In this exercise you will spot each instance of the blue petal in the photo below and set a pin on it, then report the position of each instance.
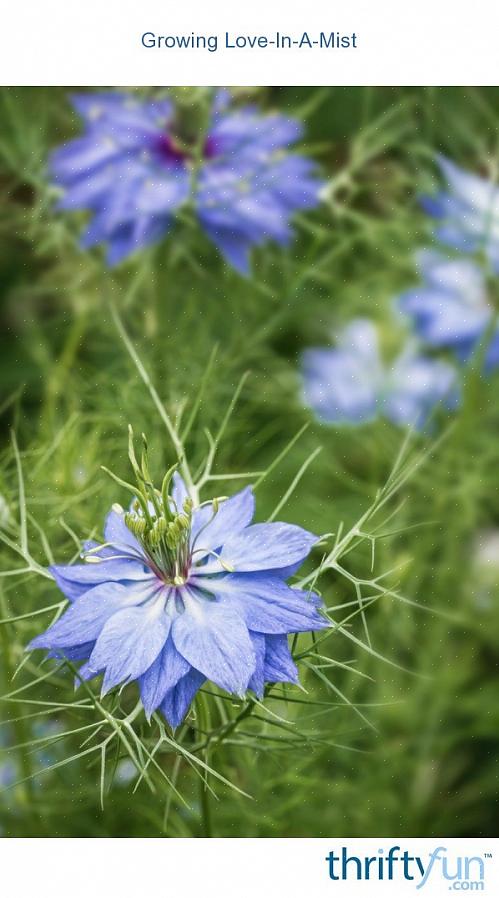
(468, 211)
(262, 547)
(161, 195)
(338, 387)
(82, 156)
(179, 492)
(130, 642)
(210, 529)
(234, 248)
(279, 666)
(246, 131)
(286, 572)
(85, 618)
(468, 188)
(257, 682)
(416, 386)
(214, 639)
(76, 579)
(92, 106)
(177, 700)
(342, 384)
(268, 605)
(86, 672)
(117, 533)
(451, 307)
(163, 674)
(74, 653)
(492, 355)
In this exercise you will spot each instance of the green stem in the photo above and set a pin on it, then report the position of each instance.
(172, 431)
(235, 723)
(62, 367)
(204, 797)
(203, 714)
(21, 735)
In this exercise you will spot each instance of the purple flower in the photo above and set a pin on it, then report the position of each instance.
(134, 173)
(468, 211)
(350, 384)
(179, 594)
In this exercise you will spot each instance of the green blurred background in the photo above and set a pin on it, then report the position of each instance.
(427, 763)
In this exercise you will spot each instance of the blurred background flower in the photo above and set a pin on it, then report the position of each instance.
(468, 211)
(138, 164)
(451, 307)
(352, 384)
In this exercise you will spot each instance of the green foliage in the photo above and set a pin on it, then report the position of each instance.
(395, 730)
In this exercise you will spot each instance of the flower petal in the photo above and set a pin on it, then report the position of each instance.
(177, 700)
(257, 682)
(416, 385)
(235, 248)
(214, 639)
(117, 533)
(210, 529)
(76, 579)
(130, 642)
(179, 491)
(339, 385)
(279, 666)
(74, 652)
(268, 605)
(163, 674)
(262, 547)
(85, 618)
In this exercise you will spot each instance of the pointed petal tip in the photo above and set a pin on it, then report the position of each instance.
(37, 643)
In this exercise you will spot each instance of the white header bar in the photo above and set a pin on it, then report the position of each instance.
(218, 42)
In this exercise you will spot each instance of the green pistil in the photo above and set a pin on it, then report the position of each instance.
(165, 538)
(162, 529)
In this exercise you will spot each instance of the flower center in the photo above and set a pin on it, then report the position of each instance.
(164, 533)
(162, 529)
(160, 526)
(173, 151)
(170, 150)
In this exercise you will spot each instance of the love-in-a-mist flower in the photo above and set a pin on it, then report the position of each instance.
(180, 593)
(351, 383)
(468, 211)
(451, 307)
(134, 169)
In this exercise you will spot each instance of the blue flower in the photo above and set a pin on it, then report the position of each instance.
(179, 594)
(249, 185)
(451, 308)
(125, 169)
(132, 171)
(469, 212)
(350, 384)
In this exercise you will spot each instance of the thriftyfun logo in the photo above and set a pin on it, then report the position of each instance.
(460, 873)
